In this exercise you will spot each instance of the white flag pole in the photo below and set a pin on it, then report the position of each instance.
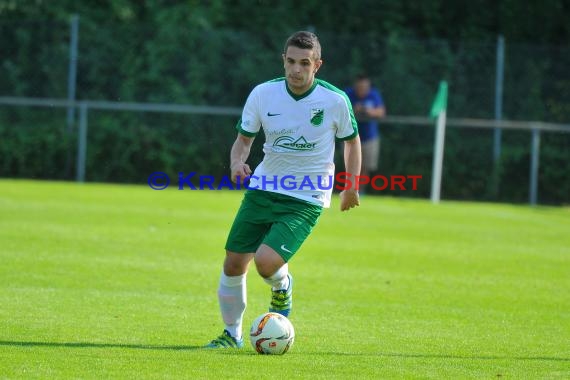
(438, 157)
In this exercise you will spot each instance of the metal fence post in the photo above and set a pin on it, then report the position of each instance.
(82, 142)
(72, 73)
(497, 133)
(534, 162)
(499, 78)
(71, 88)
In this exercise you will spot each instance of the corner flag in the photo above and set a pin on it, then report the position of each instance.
(439, 110)
(440, 101)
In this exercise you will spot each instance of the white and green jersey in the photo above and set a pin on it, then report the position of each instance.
(300, 132)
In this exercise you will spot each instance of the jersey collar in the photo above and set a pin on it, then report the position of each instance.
(303, 95)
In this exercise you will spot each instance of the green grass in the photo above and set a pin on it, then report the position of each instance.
(108, 281)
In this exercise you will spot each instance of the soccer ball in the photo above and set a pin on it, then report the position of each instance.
(272, 334)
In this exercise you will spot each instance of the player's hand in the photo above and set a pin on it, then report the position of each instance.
(349, 199)
(240, 170)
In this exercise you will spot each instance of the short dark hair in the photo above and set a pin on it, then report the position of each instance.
(304, 40)
(361, 76)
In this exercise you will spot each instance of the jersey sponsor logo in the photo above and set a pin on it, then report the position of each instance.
(289, 142)
(317, 116)
(285, 249)
(272, 114)
(282, 131)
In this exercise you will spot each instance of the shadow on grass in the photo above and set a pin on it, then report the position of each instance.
(190, 348)
(99, 345)
(443, 356)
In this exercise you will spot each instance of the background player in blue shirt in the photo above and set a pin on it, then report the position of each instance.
(367, 103)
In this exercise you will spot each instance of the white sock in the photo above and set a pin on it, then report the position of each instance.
(279, 279)
(232, 295)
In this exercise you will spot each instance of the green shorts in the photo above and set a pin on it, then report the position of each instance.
(280, 221)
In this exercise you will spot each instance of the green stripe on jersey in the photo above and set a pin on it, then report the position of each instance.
(243, 131)
(332, 88)
(349, 137)
(304, 94)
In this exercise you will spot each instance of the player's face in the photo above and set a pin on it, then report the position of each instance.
(362, 88)
(300, 68)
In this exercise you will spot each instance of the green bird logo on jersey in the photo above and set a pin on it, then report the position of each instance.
(317, 115)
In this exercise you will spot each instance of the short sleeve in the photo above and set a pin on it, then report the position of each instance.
(250, 122)
(347, 127)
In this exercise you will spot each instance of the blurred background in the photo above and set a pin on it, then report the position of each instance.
(506, 60)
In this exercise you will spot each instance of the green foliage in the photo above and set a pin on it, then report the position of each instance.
(213, 54)
(30, 147)
(127, 150)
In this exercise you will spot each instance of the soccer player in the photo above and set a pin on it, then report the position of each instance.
(301, 116)
(367, 104)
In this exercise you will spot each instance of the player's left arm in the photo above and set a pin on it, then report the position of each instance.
(348, 132)
(378, 110)
(352, 162)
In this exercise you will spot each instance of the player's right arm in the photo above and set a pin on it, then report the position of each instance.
(248, 126)
(238, 157)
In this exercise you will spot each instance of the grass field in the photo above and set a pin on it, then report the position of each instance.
(108, 281)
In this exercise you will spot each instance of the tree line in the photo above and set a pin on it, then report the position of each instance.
(213, 53)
